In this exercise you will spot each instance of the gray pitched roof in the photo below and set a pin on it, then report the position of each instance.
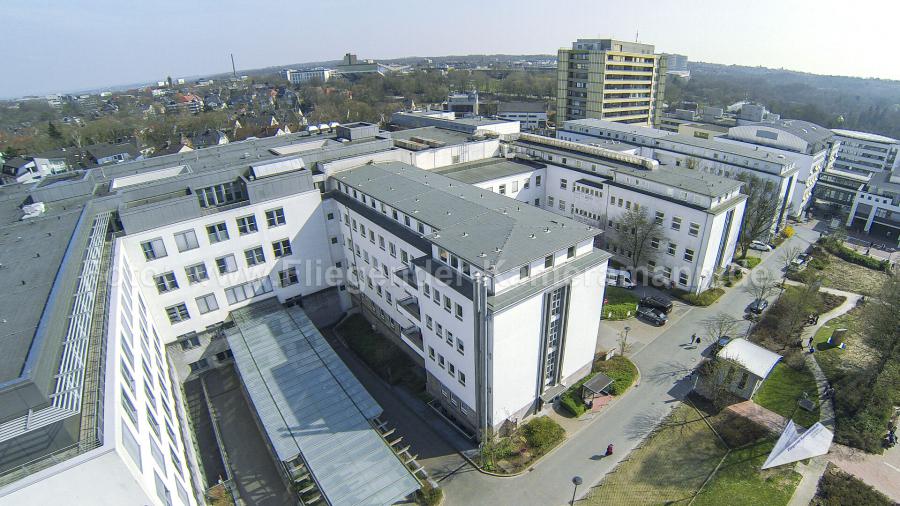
(485, 229)
(806, 130)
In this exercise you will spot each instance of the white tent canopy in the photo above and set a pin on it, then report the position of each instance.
(793, 445)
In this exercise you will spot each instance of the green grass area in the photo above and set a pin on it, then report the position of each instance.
(517, 451)
(749, 262)
(741, 481)
(705, 298)
(669, 468)
(619, 303)
(675, 461)
(784, 387)
(619, 369)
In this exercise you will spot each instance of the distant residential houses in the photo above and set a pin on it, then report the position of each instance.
(28, 169)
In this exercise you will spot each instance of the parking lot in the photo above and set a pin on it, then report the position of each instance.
(641, 332)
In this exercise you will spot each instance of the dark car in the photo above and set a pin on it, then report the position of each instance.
(758, 306)
(656, 303)
(654, 316)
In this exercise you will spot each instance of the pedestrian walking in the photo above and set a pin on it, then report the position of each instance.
(609, 450)
(696, 339)
(693, 338)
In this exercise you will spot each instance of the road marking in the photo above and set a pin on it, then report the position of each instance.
(892, 467)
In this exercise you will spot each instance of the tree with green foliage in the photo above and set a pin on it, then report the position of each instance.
(54, 132)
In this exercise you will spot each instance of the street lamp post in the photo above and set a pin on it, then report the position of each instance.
(576, 481)
(700, 285)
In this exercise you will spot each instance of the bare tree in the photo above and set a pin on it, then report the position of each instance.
(762, 284)
(634, 234)
(761, 210)
(624, 345)
(788, 255)
(720, 325)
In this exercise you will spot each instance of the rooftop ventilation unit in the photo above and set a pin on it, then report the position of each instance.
(275, 168)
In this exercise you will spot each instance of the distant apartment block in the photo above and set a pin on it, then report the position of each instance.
(677, 65)
(463, 104)
(865, 153)
(532, 116)
(306, 75)
(611, 80)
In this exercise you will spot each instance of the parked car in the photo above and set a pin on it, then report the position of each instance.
(760, 246)
(718, 345)
(800, 261)
(653, 315)
(657, 303)
(758, 306)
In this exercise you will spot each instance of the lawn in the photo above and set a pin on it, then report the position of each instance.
(740, 481)
(855, 356)
(619, 303)
(783, 388)
(669, 468)
(843, 275)
(676, 460)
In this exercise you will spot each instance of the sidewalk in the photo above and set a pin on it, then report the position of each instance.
(879, 471)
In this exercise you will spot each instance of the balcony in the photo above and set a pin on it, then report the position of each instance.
(413, 334)
(409, 275)
(410, 305)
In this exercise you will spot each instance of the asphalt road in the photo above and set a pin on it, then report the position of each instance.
(664, 365)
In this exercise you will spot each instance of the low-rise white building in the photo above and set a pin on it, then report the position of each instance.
(865, 153)
(532, 116)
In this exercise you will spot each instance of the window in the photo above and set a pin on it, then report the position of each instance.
(190, 343)
(436, 296)
(460, 347)
(330, 216)
(571, 252)
(563, 184)
(186, 240)
(334, 240)
(683, 278)
(282, 248)
(196, 273)
(676, 223)
(459, 311)
(441, 360)
(178, 313)
(654, 242)
(667, 272)
(524, 271)
(550, 201)
(404, 257)
(221, 194)
(166, 282)
(199, 365)
(537, 180)
(426, 289)
(217, 232)
(406, 221)
(562, 205)
(254, 256)
(226, 264)
(439, 330)
(694, 229)
(502, 189)
(392, 250)
(275, 217)
(689, 255)
(449, 336)
(247, 224)
(462, 378)
(548, 261)
(447, 304)
(381, 242)
(451, 368)
(207, 303)
(537, 202)
(431, 353)
(526, 184)
(288, 277)
(671, 249)
(154, 248)
(429, 323)
(248, 290)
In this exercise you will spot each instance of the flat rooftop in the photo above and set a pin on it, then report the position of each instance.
(31, 254)
(865, 136)
(310, 404)
(491, 231)
(448, 137)
(487, 170)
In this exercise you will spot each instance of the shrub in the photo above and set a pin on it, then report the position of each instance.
(572, 402)
(787, 232)
(428, 495)
(837, 248)
(818, 263)
(542, 434)
(704, 299)
(837, 488)
(620, 370)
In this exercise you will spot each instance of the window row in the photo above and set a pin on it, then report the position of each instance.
(445, 335)
(234, 294)
(446, 364)
(186, 240)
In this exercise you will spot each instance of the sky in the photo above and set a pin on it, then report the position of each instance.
(64, 46)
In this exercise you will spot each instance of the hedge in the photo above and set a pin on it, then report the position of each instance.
(572, 402)
(705, 298)
(837, 488)
(542, 434)
(620, 370)
(837, 249)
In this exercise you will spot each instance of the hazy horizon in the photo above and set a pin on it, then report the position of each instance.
(102, 44)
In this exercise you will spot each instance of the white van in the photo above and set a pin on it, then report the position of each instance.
(615, 277)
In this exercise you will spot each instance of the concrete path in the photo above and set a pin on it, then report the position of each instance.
(879, 471)
(808, 485)
(665, 364)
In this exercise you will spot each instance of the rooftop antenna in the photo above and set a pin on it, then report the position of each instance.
(636, 33)
(233, 71)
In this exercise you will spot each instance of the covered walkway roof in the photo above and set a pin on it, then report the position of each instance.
(311, 405)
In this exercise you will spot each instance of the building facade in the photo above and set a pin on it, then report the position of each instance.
(865, 153)
(612, 80)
